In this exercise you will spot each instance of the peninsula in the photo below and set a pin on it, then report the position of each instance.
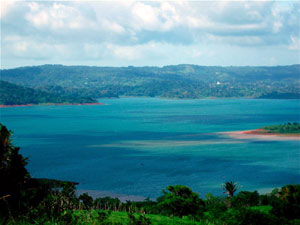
(288, 131)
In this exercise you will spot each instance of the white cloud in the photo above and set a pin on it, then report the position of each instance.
(113, 26)
(145, 13)
(125, 52)
(57, 16)
(6, 6)
(295, 43)
(20, 47)
(136, 31)
(277, 26)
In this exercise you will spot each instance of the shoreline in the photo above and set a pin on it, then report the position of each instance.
(49, 104)
(262, 135)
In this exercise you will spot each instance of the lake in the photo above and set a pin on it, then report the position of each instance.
(139, 146)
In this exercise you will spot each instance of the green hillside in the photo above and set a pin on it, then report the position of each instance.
(11, 94)
(178, 81)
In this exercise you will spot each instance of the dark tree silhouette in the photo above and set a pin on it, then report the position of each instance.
(13, 174)
(180, 200)
(230, 188)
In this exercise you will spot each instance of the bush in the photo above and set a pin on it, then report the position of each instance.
(86, 200)
(215, 206)
(180, 201)
(140, 220)
(245, 199)
(250, 217)
(287, 203)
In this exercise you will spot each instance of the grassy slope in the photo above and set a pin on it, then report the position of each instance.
(122, 218)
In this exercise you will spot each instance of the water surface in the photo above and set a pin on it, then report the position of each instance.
(138, 146)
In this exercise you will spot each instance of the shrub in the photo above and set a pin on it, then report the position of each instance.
(140, 220)
(180, 200)
(245, 199)
(250, 217)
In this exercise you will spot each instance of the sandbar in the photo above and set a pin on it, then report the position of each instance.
(261, 135)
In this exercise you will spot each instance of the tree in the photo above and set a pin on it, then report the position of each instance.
(230, 188)
(13, 174)
(288, 203)
(244, 216)
(87, 200)
(245, 199)
(180, 200)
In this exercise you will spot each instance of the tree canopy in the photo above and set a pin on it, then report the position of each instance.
(180, 200)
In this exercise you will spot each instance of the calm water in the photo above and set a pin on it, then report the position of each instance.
(138, 146)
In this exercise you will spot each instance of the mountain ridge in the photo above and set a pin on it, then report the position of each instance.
(171, 81)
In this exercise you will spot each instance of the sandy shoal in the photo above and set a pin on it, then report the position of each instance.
(259, 134)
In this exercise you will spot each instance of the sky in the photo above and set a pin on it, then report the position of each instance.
(150, 33)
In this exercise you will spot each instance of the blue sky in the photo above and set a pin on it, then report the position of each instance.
(149, 33)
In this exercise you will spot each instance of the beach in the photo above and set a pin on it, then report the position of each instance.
(261, 135)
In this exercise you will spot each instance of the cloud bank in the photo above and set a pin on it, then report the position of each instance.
(111, 33)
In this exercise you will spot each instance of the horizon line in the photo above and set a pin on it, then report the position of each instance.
(133, 66)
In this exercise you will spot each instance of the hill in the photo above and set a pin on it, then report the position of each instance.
(11, 94)
(178, 81)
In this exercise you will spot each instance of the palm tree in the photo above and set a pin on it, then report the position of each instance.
(230, 187)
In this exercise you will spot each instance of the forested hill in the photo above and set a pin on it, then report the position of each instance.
(178, 81)
(11, 94)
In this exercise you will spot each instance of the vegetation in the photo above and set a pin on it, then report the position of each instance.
(230, 188)
(180, 201)
(25, 200)
(288, 128)
(11, 94)
(181, 81)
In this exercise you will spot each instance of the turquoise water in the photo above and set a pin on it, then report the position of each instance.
(138, 146)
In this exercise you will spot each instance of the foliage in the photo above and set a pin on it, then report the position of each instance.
(141, 220)
(87, 200)
(250, 217)
(13, 174)
(215, 207)
(262, 208)
(179, 81)
(82, 217)
(284, 128)
(11, 94)
(245, 199)
(230, 188)
(180, 200)
(288, 202)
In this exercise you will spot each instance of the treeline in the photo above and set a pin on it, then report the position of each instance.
(181, 81)
(276, 95)
(288, 128)
(11, 94)
(25, 200)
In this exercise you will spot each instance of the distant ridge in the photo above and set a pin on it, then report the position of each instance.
(172, 81)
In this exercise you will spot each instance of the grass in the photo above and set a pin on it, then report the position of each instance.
(82, 217)
(122, 218)
(264, 208)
